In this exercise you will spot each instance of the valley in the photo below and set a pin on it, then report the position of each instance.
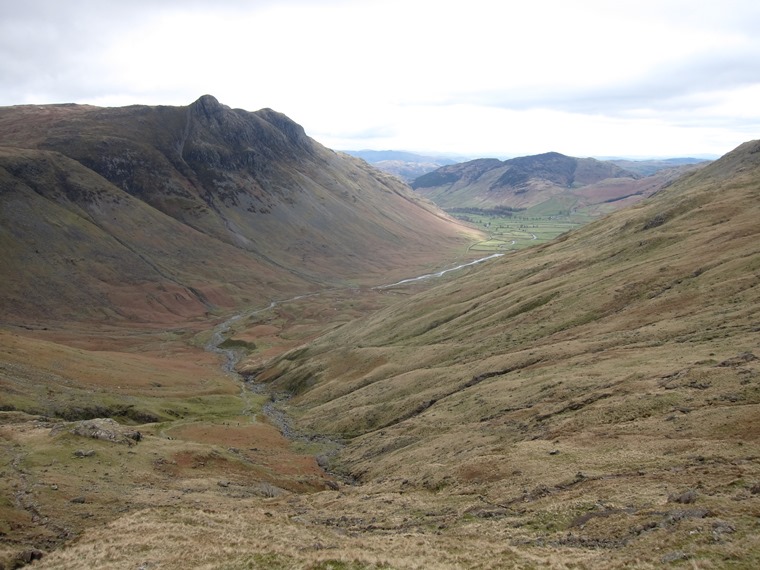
(517, 230)
(214, 439)
(230, 358)
(531, 200)
(548, 185)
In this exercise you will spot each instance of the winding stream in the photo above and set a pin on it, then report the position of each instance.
(440, 273)
(232, 356)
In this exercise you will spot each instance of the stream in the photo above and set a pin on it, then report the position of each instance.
(232, 356)
(440, 273)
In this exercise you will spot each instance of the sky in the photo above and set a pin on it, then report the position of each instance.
(472, 78)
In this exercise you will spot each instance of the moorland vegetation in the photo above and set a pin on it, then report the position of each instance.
(587, 402)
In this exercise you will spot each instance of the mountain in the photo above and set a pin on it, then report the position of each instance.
(594, 399)
(375, 156)
(405, 165)
(165, 213)
(648, 167)
(528, 181)
(591, 402)
(126, 236)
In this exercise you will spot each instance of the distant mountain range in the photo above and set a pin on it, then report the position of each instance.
(405, 165)
(410, 166)
(524, 182)
(651, 166)
(167, 212)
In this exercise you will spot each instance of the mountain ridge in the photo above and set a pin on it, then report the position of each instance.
(583, 184)
(264, 198)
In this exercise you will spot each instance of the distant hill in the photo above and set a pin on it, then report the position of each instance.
(517, 182)
(405, 165)
(584, 184)
(652, 166)
(168, 212)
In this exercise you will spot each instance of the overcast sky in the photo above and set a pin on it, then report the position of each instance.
(472, 77)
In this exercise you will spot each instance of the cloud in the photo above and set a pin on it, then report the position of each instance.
(412, 73)
(690, 83)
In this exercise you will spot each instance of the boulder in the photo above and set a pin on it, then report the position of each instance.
(107, 430)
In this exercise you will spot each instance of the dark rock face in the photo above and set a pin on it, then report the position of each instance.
(208, 106)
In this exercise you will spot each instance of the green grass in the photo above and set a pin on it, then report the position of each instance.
(513, 232)
(236, 343)
(210, 407)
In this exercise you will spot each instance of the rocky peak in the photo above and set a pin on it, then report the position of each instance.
(214, 122)
(293, 131)
(208, 106)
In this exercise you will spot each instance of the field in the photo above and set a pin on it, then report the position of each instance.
(513, 230)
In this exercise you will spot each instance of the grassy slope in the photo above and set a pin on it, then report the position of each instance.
(587, 403)
(584, 404)
(596, 376)
(74, 246)
(164, 213)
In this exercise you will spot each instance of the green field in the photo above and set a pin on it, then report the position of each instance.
(517, 230)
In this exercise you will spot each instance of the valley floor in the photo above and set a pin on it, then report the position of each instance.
(221, 488)
(212, 482)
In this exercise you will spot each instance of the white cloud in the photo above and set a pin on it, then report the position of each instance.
(582, 77)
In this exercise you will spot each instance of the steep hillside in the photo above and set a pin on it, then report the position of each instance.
(585, 184)
(164, 213)
(594, 399)
(126, 235)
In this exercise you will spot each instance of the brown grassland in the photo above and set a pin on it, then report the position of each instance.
(588, 403)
